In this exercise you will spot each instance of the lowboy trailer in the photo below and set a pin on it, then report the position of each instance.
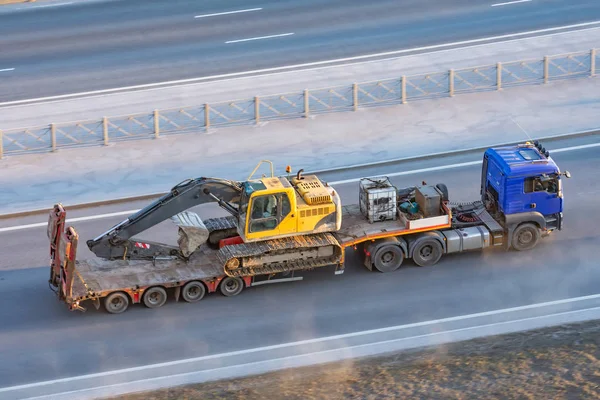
(281, 225)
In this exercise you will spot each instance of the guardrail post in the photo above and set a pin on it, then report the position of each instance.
(206, 116)
(451, 82)
(593, 62)
(306, 109)
(105, 130)
(546, 68)
(355, 96)
(1, 144)
(156, 124)
(499, 76)
(403, 84)
(53, 136)
(257, 109)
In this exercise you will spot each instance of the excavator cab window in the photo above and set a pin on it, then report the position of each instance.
(268, 211)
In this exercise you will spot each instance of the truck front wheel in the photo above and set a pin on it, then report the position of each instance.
(525, 237)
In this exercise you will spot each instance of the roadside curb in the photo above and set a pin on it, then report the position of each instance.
(150, 196)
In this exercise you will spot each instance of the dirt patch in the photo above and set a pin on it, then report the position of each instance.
(555, 363)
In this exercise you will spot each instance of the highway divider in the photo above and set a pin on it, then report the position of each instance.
(153, 196)
(400, 90)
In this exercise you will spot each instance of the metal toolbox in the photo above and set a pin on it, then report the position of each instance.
(429, 200)
(377, 199)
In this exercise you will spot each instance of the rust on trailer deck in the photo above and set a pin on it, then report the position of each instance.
(102, 275)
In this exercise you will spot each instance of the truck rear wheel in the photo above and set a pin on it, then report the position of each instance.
(116, 303)
(155, 297)
(231, 286)
(193, 291)
(427, 253)
(525, 237)
(388, 258)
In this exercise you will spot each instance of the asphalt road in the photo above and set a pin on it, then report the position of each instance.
(105, 44)
(40, 339)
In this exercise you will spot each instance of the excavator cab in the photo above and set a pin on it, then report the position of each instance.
(274, 207)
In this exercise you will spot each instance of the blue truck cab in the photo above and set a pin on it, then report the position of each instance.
(521, 184)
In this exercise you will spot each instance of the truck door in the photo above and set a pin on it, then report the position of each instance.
(542, 194)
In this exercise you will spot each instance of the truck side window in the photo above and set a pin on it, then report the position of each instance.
(538, 184)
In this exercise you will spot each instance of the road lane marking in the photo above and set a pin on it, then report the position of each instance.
(341, 182)
(434, 322)
(7, 69)
(259, 38)
(510, 2)
(318, 65)
(78, 219)
(415, 171)
(228, 12)
(52, 5)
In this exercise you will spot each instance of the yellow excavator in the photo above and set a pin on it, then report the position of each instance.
(277, 224)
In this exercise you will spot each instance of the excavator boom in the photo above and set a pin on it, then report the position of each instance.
(115, 243)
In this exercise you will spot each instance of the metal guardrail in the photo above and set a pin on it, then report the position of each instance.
(300, 104)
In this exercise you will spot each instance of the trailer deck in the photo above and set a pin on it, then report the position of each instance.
(357, 229)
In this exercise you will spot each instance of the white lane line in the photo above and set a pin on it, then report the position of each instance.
(228, 12)
(52, 5)
(323, 339)
(415, 171)
(510, 2)
(318, 64)
(78, 219)
(259, 38)
(7, 69)
(342, 182)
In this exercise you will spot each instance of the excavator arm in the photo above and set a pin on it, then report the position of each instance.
(116, 244)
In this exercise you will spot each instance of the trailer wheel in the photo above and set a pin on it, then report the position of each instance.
(116, 303)
(525, 237)
(427, 253)
(388, 258)
(231, 286)
(155, 297)
(193, 291)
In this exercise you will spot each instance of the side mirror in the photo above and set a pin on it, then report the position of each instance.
(567, 174)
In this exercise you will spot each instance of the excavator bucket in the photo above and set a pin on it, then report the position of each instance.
(192, 232)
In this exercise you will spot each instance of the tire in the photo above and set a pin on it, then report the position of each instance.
(525, 237)
(155, 297)
(427, 253)
(116, 303)
(444, 189)
(388, 258)
(193, 291)
(231, 286)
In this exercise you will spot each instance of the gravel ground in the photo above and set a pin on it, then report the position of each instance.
(555, 363)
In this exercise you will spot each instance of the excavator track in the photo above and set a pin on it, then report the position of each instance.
(220, 228)
(280, 255)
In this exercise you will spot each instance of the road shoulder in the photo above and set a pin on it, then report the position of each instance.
(559, 363)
